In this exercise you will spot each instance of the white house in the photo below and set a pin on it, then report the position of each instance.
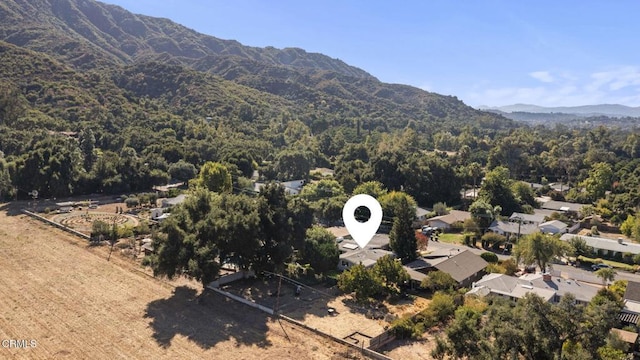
(554, 227)
(608, 246)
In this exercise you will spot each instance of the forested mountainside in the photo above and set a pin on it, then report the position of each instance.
(94, 99)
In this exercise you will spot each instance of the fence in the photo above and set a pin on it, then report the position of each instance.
(59, 226)
(231, 278)
(242, 300)
(366, 351)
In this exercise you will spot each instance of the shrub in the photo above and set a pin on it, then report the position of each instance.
(494, 268)
(489, 257)
(492, 239)
(594, 230)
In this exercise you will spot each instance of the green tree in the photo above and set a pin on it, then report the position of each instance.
(438, 280)
(391, 273)
(182, 171)
(320, 250)
(599, 181)
(373, 188)
(292, 165)
(579, 247)
(538, 248)
(606, 274)
(496, 190)
(214, 177)
(361, 281)
(483, 214)
(402, 238)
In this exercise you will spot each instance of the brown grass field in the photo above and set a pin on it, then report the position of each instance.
(74, 304)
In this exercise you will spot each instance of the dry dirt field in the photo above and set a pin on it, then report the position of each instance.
(75, 304)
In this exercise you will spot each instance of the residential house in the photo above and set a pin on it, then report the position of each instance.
(463, 266)
(554, 227)
(290, 187)
(378, 241)
(366, 257)
(169, 202)
(445, 222)
(562, 206)
(512, 229)
(606, 247)
(550, 287)
(507, 286)
(630, 313)
(421, 216)
(535, 218)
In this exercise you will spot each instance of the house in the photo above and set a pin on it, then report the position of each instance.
(562, 206)
(629, 337)
(535, 218)
(463, 266)
(366, 257)
(549, 286)
(630, 313)
(507, 286)
(290, 187)
(445, 222)
(606, 247)
(169, 202)
(156, 213)
(583, 293)
(554, 227)
(421, 216)
(512, 229)
(378, 241)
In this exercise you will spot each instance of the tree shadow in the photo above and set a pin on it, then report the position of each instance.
(206, 319)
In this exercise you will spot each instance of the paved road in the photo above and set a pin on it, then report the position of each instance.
(572, 272)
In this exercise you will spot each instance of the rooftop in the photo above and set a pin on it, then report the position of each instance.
(562, 206)
(633, 291)
(605, 244)
(582, 292)
(461, 265)
(452, 217)
(366, 257)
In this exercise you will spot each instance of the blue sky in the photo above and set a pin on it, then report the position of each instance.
(548, 53)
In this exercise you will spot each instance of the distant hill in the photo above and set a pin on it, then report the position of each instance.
(611, 110)
(133, 57)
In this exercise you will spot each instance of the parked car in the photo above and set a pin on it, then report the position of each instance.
(595, 267)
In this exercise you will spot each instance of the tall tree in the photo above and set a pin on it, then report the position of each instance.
(599, 181)
(391, 273)
(320, 250)
(496, 190)
(214, 177)
(539, 248)
(402, 238)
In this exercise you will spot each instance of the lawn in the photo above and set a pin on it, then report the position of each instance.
(450, 238)
(615, 264)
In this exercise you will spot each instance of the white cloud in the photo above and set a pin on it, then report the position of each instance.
(619, 85)
(543, 76)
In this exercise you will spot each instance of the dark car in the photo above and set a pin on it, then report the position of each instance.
(595, 267)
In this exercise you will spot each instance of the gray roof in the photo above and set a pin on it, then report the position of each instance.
(532, 218)
(174, 200)
(605, 244)
(633, 291)
(452, 217)
(555, 223)
(462, 265)
(582, 292)
(378, 241)
(562, 206)
(421, 211)
(513, 227)
(510, 286)
(366, 257)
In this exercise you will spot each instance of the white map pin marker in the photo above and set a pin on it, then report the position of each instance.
(362, 232)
